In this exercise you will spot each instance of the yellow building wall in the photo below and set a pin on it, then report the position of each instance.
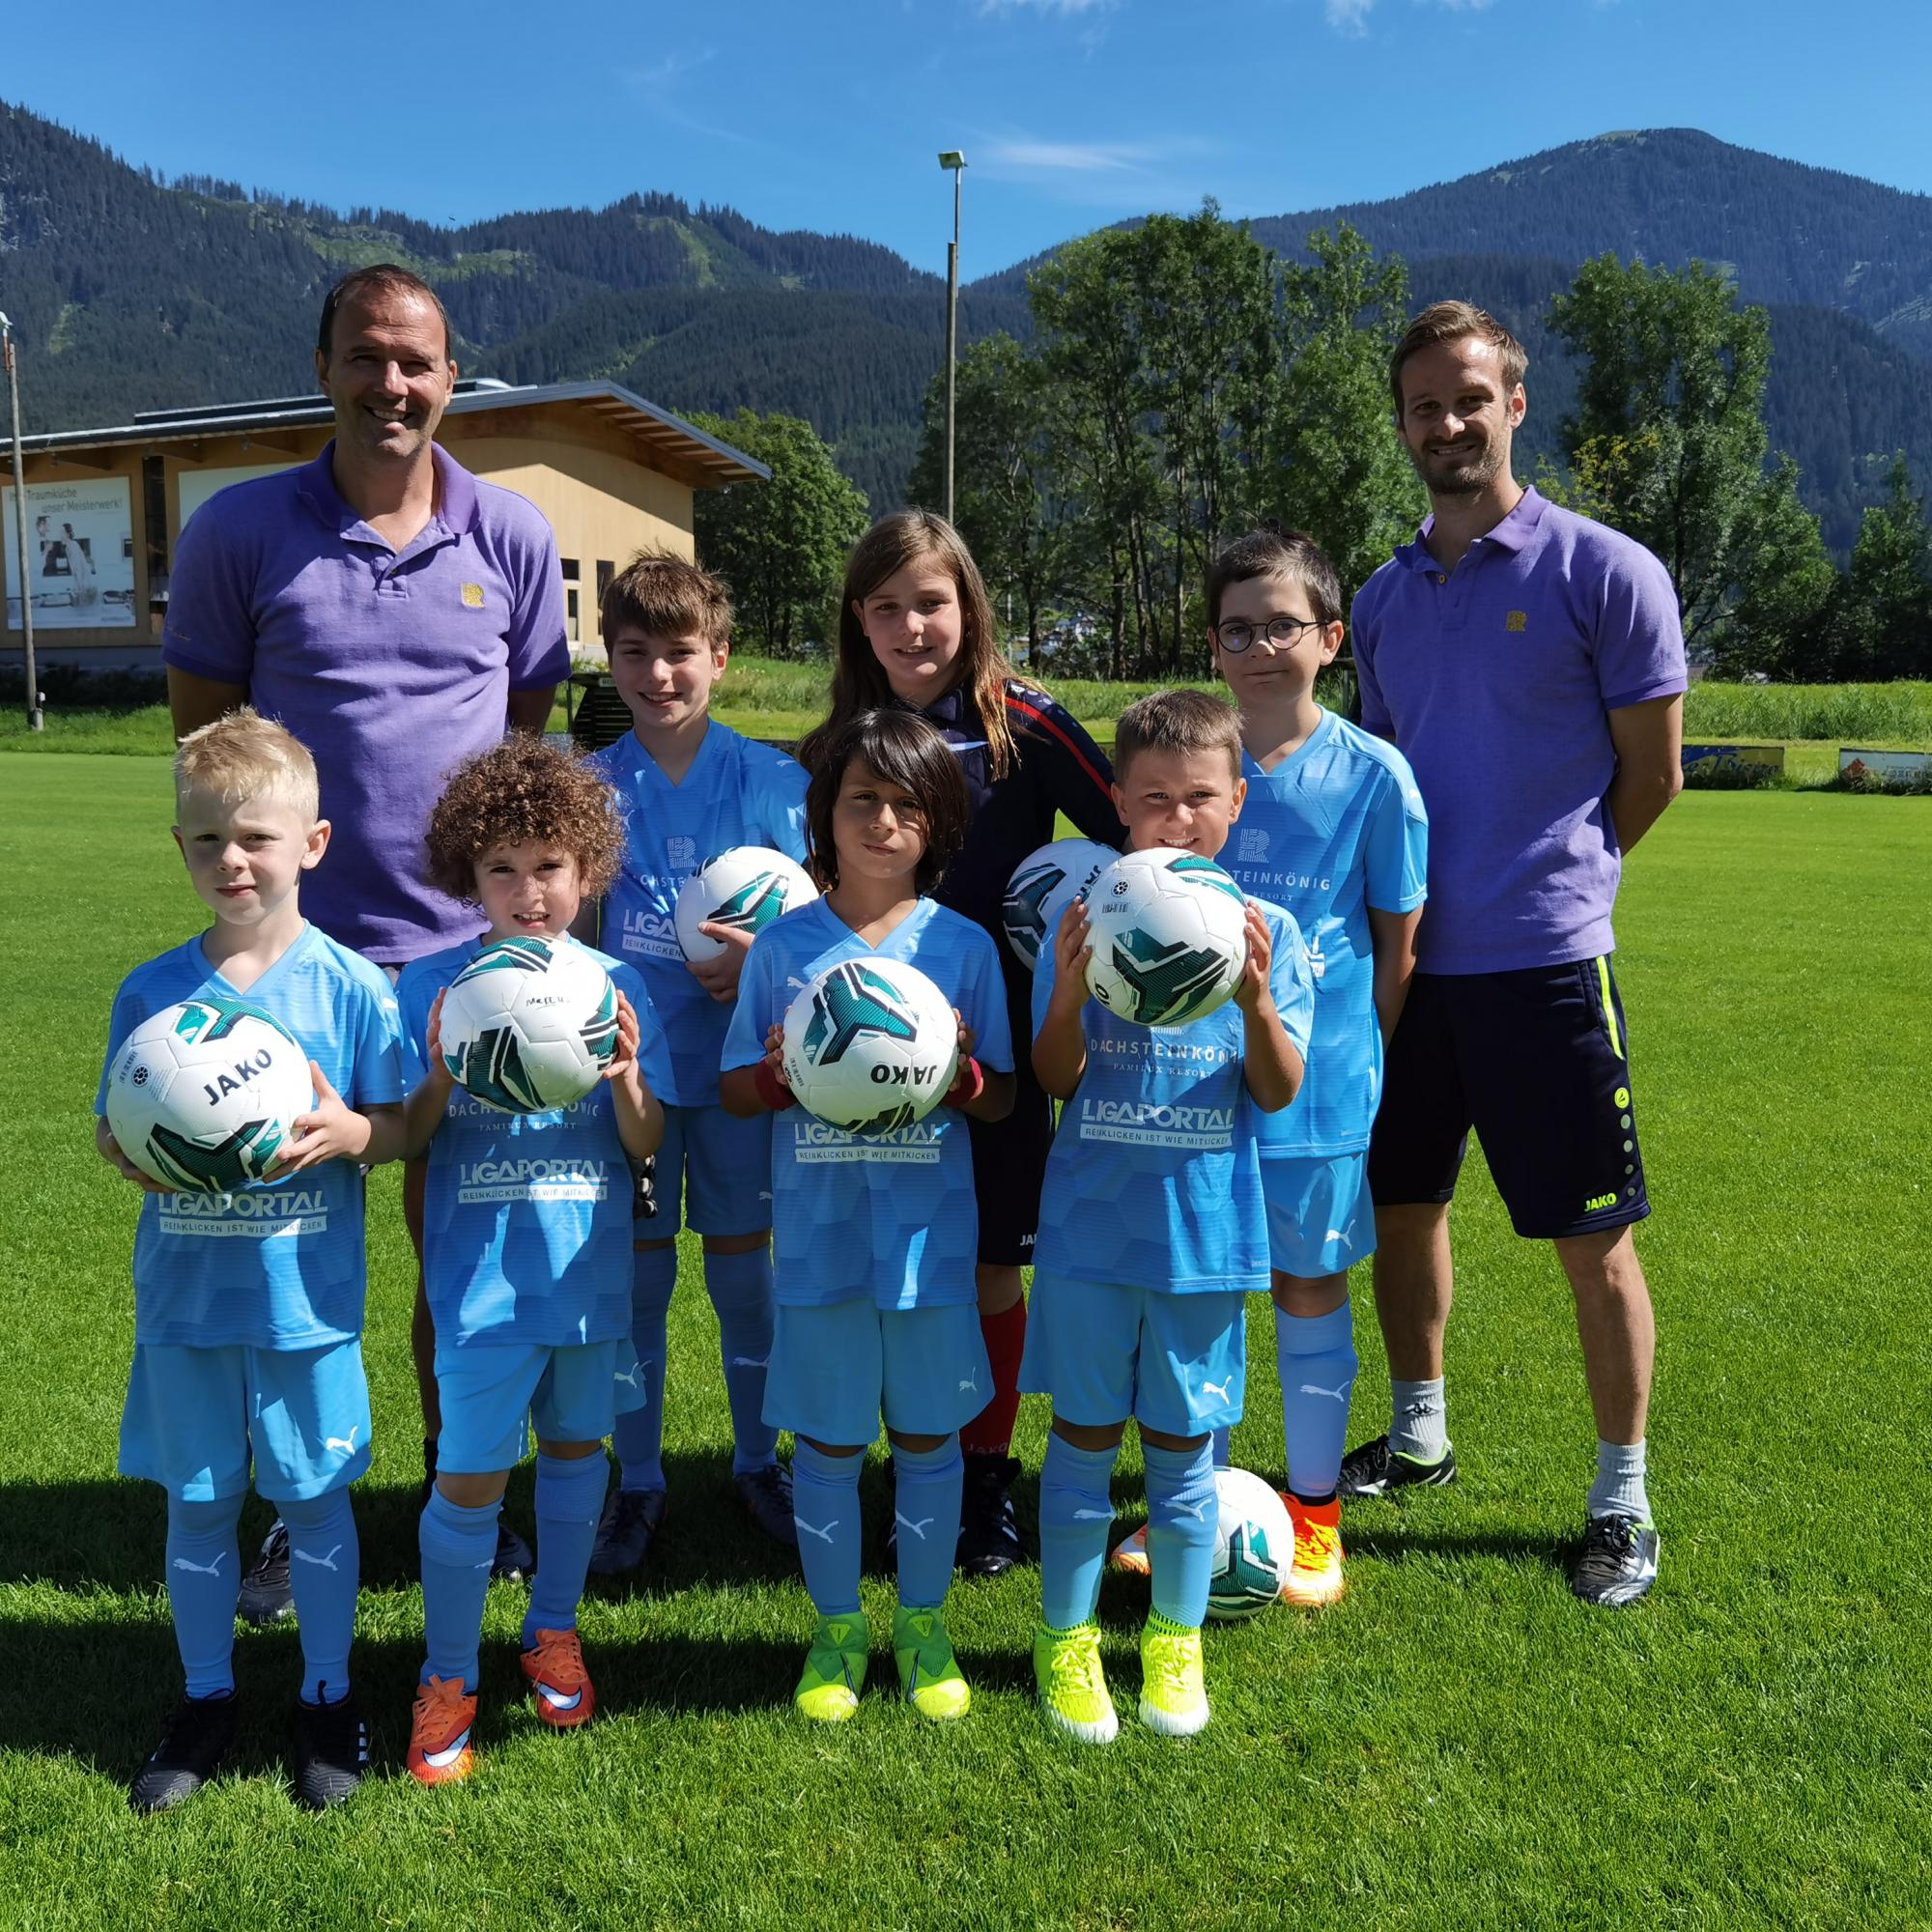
(590, 481)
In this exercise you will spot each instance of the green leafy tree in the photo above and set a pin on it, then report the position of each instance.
(1333, 465)
(1669, 438)
(781, 545)
(1007, 500)
(1882, 620)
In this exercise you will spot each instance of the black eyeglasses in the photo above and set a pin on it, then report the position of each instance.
(1282, 631)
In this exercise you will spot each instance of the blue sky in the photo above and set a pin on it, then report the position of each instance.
(828, 114)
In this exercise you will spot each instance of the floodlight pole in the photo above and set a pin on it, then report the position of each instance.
(955, 162)
(33, 719)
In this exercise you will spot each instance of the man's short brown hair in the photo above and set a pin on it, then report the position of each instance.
(378, 278)
(1181, 723)
(666, 597)
(1451, 322)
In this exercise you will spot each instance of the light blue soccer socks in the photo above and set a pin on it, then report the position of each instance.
(740, 1287)
(824, 1504)
(638, 1434)
(1074, 1518)
(1316, 1356)
(324, 1561)
(458, 1547)
(1221, 1446)
(569, 1500)
(926, 1502)
(1619, 1489)
(204, 1578)
(1183, 1511)
(1419, 1420)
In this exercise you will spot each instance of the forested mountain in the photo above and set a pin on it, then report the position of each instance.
(129, 292)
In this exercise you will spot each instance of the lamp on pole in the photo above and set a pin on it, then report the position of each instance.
(34, 721)
(955, 163)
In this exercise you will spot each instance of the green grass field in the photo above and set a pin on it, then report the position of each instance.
(1457, 1743)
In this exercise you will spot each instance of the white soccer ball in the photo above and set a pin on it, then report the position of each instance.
(1042, 886)
(746, 888)
(530, 1023)
(1170, 938)
(1254, 1546)
(203, 1095)
(871, 1045)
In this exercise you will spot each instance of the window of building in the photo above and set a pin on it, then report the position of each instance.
(570, 613)
(569, 566)
(606, 571)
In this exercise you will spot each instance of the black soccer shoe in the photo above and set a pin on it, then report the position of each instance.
(989, 1538)
(266, 1596)
(332, 1751)
(197, 1738)
(1374, 1470)
(515, 1559)
(766, 1494)
(624, 1531)
(1619, 1561)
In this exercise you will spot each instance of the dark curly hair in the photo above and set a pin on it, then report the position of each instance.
(520, 792)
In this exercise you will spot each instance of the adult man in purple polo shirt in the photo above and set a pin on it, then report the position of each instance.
(1529, 665)
(398, 616)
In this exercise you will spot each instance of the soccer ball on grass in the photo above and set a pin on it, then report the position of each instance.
(1254, 1546)
(530, 1023)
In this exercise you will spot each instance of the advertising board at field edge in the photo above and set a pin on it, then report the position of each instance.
(1733, 757)
(1856, 763)
(80, 555)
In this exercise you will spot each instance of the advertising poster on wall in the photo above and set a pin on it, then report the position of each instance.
(80, 555)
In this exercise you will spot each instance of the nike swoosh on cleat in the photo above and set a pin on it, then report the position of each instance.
(557, 1699)
(441, 1759)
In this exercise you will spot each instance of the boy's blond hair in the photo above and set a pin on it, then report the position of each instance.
(244, 756)
(1180, 722)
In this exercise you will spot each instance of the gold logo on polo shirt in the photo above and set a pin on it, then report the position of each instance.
(1514, 620)
(472, 600)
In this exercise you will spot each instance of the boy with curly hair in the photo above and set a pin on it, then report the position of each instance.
(527, 1246)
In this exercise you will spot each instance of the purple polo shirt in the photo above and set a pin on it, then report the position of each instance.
(1497, 680)
(391, 666)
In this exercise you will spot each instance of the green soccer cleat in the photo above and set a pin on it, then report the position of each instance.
(834, 1670)
(1174, 1698)
(1072, 1686)
(928, 1671)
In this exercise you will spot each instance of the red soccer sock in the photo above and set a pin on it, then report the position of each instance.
(990, 1433)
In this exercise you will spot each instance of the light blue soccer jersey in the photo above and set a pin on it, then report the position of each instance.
(526, 1226)
(737, 792)
(892, 1215)
(279, 1265)
(1154, 1177)
(1337, 827)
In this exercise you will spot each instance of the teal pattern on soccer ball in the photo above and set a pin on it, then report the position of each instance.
(207, 1018)
(235, 1161)
(1205, 873)
(491, 1069)
(854, 1001)
(1166, 981)
(522, 952)
(1248, 1580)
(753, 905)
(1023, 910)
(600, 1029)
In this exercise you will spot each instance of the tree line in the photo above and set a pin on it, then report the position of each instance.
(1181, 382)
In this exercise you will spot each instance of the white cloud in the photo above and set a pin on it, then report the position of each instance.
(1348, 16)
(1070, 157)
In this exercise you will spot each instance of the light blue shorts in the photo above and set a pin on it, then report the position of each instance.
(489, 1389)
(718, 1168)
(1175, 1363)
(1320, 1220)
(834, 1369)
(194, 1417)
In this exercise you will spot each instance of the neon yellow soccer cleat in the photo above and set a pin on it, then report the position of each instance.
(1174, 1698)
(1072, 1686)
(834, 1670)
(928, 1671)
